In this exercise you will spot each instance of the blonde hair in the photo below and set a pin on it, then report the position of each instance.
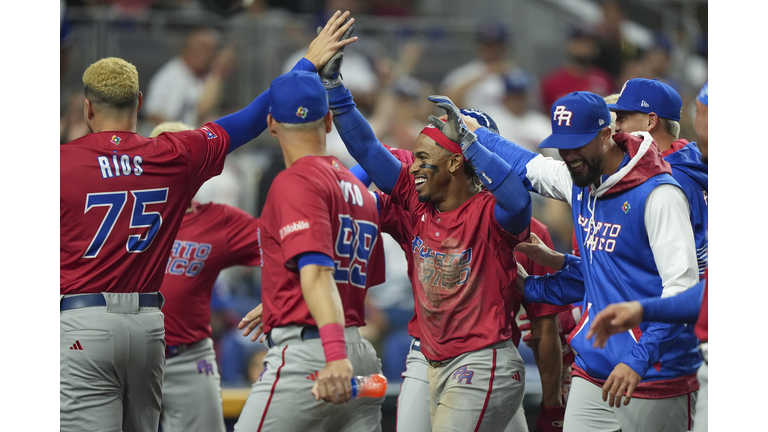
(611, 99)
(169, 127)
(112, 82)
(314, 124)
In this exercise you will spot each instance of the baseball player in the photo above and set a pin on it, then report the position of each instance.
(654, 107)
(319, 236)
(122, 200)
(211, 238)
(461, 233)
(413, 398)
(637, 242)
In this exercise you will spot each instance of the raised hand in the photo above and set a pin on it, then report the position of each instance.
(327, 48)
(454, 127)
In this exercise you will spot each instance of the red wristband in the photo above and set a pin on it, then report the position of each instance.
(334, 345)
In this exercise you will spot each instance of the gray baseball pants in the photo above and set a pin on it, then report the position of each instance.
(281, 400)
(587, 412)
(111, 366)
(474, 391)
(192, 391)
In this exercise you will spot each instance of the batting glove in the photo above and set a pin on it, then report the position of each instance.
(330, 74)
(454, 128)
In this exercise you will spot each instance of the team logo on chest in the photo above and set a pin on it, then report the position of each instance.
(626, 207)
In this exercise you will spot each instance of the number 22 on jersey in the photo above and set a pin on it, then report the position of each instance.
(140, 218)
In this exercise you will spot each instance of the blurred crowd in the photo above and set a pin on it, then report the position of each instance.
(390, 86)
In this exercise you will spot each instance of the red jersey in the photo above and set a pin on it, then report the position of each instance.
(317, 205)
(536, 310)
(464, 272)
(123, 197)
(211, 238)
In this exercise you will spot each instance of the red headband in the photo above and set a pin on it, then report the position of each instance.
(442, 140)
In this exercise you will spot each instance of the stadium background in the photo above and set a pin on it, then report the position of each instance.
(267, 34)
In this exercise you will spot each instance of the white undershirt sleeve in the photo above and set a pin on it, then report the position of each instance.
(550, 177)
(670, 234)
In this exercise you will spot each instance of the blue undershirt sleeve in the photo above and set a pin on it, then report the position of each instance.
(681, 308)
(361, 175)
(517, 157)
(381, 165)
(563, 287)
(513, 206)
(248, 123)
(316, 258)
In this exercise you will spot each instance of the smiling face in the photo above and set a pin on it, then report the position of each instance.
(431, 169)
(586, 163)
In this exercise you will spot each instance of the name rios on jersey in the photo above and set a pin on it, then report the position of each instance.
(442, 269)
(599, 235)
(187, 258)
(122, 164)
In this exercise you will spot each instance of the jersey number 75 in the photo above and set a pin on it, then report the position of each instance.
(139, 217)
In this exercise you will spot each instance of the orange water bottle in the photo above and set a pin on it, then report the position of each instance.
(374, 386)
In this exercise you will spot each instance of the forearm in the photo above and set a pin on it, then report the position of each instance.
(547, 351)
(563, 287)
(321, 295)
(362, 144)
(655, 341)
(682, 308)
(513, 211)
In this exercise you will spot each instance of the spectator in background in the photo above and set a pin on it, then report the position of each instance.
(517, 120)
(615, 49)
(72, 123)
(480, 83)
(579, 72)
(188, 88)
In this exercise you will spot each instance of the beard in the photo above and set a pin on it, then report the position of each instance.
(592, 174)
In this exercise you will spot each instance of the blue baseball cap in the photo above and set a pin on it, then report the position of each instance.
(644, 95)
(703, 95)
(576, 120)
(484, 119)
(297, 97)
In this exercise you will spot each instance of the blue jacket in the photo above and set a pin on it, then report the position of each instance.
(692, 174)
(617, 264)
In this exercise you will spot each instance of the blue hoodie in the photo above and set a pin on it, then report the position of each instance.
(691, 172)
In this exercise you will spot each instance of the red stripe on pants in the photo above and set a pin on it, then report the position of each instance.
(272, 392)
(487, 395)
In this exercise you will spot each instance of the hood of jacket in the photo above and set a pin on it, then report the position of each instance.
(687, 158)
(645, 161)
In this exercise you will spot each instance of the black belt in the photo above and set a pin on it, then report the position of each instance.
(174, 350)
(93, 300)
(308, 332)
(435, 363)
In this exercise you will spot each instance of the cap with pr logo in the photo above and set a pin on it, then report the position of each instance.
(647, 96)
(297, 97)
(576, 120)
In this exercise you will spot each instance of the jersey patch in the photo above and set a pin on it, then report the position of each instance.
(208, 132)
(293, 227)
